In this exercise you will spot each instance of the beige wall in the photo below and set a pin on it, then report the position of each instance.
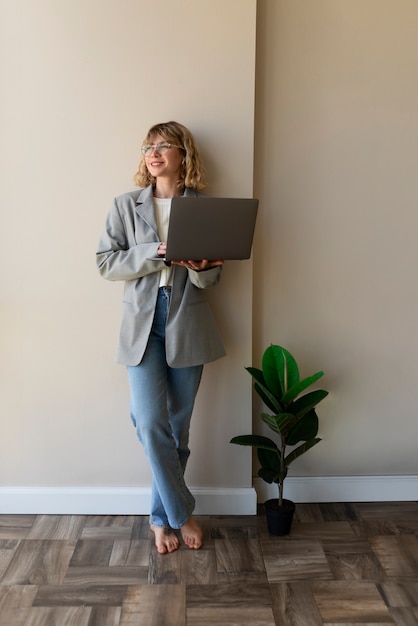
(83, 81)
(336, 255)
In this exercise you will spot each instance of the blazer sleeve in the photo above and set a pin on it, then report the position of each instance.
(119, 256)
(205, 279)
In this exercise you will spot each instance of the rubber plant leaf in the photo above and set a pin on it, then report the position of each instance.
(270, 465)
(268, 398)
(307, 402)
(304, 447)
(296, 389)
(280, 369)
(268, 475)
(280, 423)
(260, 386)
(257, 441)
(306, 428)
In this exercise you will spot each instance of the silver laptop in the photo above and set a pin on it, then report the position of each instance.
(211, 228)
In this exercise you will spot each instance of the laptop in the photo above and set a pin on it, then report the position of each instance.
(211, 228)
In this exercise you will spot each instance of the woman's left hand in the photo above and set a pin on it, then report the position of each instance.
(198, 266)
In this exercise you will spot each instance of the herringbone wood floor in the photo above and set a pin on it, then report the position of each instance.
(342, 564)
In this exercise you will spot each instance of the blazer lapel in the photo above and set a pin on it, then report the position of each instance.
(145, 208)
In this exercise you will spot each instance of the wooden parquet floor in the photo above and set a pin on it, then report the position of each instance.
(342, 564)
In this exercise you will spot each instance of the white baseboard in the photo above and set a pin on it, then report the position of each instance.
(342, 488)
(117, 501)
(216, 501)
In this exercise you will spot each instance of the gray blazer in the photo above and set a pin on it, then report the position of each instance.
(129, 240)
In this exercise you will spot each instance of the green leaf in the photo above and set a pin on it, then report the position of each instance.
(268, 398)
(280, 423)
(268, 458)
(262, 390)
(257, 441)
(297, 452)
(270, 476)
(291, 375)
(297, 388)
(305, 428)
(257, 374)
(280, 369)
(307, 402)
(271, 372)
(270, 465)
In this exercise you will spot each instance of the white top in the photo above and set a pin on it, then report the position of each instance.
(162, 213)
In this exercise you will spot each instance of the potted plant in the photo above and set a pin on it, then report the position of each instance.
(293, 420)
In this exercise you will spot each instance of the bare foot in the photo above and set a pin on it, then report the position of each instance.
(192, 534)
(165, 539)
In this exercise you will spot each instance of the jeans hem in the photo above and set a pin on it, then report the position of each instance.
(185, 522)
(159, 525)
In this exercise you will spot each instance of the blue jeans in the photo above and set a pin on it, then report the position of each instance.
(162, 400)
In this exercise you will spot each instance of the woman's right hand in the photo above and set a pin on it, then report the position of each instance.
(199, 266)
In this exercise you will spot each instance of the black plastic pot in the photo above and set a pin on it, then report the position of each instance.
(279, 519)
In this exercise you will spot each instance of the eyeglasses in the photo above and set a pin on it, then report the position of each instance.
(160, 147)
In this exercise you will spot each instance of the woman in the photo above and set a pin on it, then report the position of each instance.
(167, 331)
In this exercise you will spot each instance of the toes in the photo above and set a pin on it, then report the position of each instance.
(192, 534)
(190, 541)
(165, 541)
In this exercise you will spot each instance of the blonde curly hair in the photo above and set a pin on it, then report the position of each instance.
(192, 172)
